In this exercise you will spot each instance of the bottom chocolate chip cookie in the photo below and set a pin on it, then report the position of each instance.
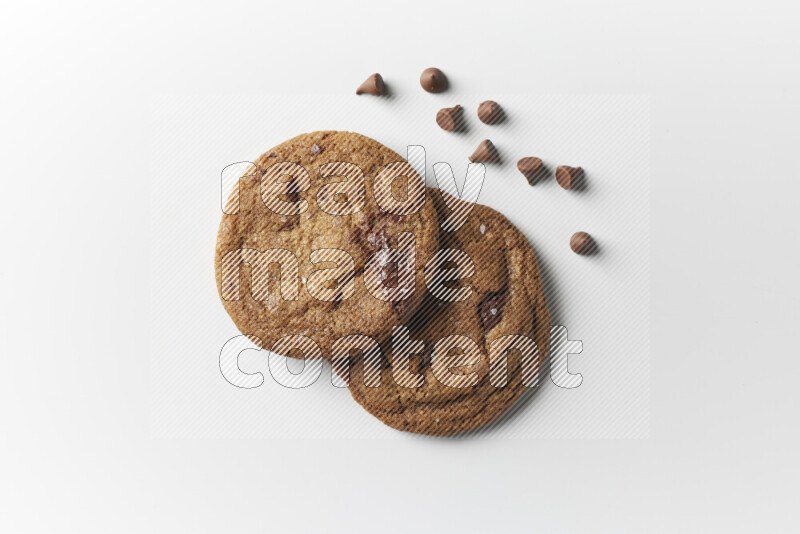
(475, 344)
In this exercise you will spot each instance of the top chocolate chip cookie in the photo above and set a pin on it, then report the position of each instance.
(326, 236)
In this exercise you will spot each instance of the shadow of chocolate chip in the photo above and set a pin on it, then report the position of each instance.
(594, 251)
(387, 91)
(498, 157)
(541, 174)
(571, 178)
(581, 184)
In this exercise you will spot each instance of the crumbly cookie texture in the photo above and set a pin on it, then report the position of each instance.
(361, 234)
(506, 298)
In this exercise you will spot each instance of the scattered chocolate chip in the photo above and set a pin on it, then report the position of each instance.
(530, 168)
(568, 177)
(373, 86)
(316, 150)
(490, 112)
(433, 80)
(486, 152)
(581, 243)
(490, 309)
(450, 119)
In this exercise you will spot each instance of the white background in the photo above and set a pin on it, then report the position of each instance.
(603, 300)
(77, 444)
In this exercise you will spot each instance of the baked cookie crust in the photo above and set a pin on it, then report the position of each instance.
(506, 298)
(361, 234)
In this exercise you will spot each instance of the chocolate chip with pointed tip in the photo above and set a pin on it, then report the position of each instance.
(450, 119)
(433, 80)
(531, 168)
(486, 152)
(568, 177)
(373, 86)
(490, 112)
(581, 243)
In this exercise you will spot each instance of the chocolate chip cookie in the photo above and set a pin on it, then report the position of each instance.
(326, 237)
(458, 364)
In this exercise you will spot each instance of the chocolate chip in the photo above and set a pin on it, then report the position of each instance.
(433, 80)
(316, 150)
(490, 112)
(373, 86)
(293, 192)
(391, 275)
(568, 177)
(419, 361)
(486, 152)
(531, 168)
(581, 243)
(450, 119)
(490, 309)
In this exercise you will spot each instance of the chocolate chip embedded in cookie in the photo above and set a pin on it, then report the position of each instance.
(490, 309)
(310, 252)
(457, 365)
